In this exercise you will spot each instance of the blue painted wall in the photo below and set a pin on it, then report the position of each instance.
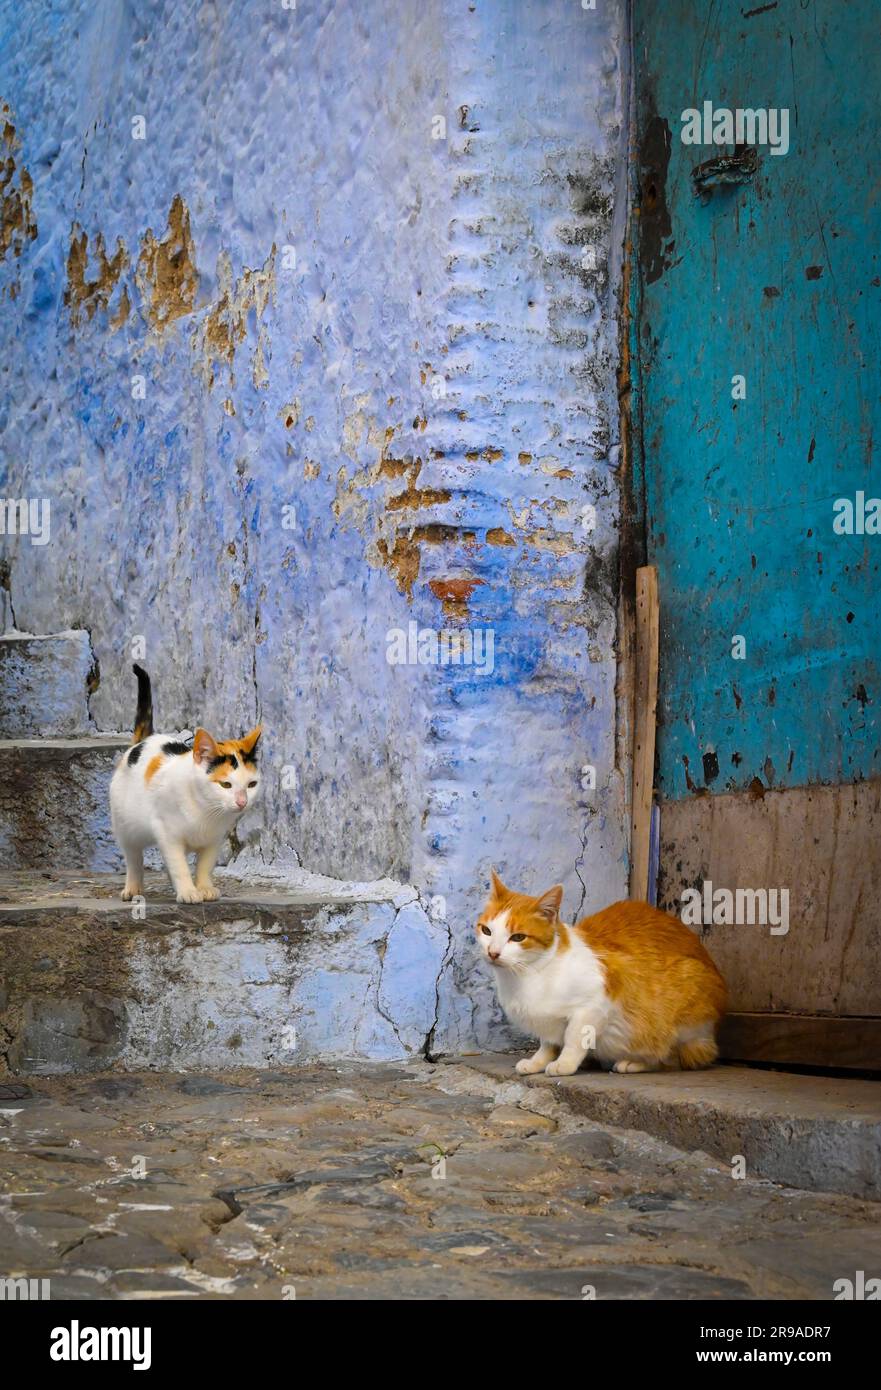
(777, 279)
(316, 336)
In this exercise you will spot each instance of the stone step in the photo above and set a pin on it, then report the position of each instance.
(269, 974)
(45, 683)
(54, 811)
(816, 1132)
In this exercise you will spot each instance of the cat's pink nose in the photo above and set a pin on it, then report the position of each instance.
(241, 800)
(494, 955)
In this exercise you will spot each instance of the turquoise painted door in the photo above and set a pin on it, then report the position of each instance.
(757, 339)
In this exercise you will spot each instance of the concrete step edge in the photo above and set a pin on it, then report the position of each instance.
(72, 895)
(272, 970)
(817, 1133)
(75, 744)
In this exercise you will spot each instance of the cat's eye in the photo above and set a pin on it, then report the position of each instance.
(252, 784)
(517, 936)
(226, 784)
(486, 931)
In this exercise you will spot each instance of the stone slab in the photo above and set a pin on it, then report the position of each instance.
(814, 1132)
(266, 975)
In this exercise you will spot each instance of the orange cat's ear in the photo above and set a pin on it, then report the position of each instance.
(499, 889)
(548, 905)
(249, 742)
(204, 746)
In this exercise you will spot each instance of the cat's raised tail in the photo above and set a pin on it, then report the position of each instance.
(144, 712)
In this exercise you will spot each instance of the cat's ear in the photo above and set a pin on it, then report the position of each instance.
(204, 746)
(548, 905)
(499, 889)
(248, 743)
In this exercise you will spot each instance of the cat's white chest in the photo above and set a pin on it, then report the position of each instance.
(542, 1000)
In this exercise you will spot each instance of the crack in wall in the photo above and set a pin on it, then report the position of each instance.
(378, 990)
(446, 960)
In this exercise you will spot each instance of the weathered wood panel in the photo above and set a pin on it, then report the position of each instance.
(807, 1040)
(824, 845)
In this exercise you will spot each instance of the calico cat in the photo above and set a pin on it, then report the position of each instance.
(630, 984)
(183, 798)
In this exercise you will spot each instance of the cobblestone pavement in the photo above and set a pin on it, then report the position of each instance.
(400, 1181)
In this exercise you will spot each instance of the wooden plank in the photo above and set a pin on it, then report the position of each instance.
(802, 1040)
(820, 844)
(647, 633)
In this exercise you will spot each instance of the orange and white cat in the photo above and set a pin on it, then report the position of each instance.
(184, 798)
(631, 985)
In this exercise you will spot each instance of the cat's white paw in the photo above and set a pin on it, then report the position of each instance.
(128, 893)
(561, 1068)
(527, 1067)
(190, 895)
(209, 894)
(631, 1066)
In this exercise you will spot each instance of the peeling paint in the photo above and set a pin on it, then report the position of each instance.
(391, 546)
(654, 220)
(225, 326)
(412, 497)
(17, 223)
(454, 593)
(84, 295)
(166, 272)
(293, 424)
(546, 539)
(401, 557)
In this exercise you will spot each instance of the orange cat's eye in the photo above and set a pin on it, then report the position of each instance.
(252, 784)
(226, 784)
(517, 936)
(486, 931)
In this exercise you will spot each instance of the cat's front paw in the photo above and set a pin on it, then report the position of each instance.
(209, 893)
(190, 895)
(528, 1066)
(561, 1068)
(128, 893)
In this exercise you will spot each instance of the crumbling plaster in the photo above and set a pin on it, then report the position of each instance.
(295, 373)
